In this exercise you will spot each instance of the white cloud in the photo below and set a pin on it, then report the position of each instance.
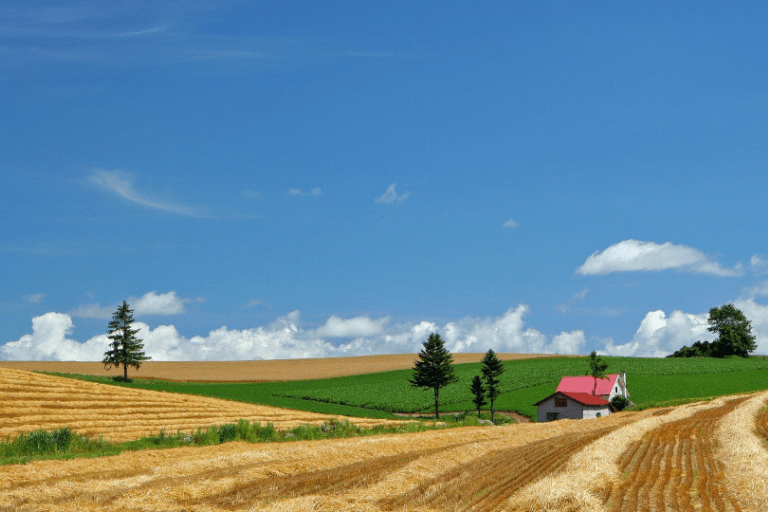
(758, 265)
(251, 303)
(153, 304)
(49, 342)
(93, 310)
(391, 196)
(317, 191)
(34, 298)
(357, 327)
(510, 224)
(148, 304)
(568, 305)
(286, 339)
(122, 184)
(758, 290)
(659, 335)
(636, 255)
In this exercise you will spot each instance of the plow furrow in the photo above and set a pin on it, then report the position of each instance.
(673, 468)
(486, 483)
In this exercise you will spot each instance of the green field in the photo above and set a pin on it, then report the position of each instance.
(650, 382)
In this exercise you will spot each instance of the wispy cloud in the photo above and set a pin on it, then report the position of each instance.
(637, 255)
(758, 265)
(392, 197)
(151, 303)
(576, 298)
(317, 191)
(510, 224)
(34, 298)
(250, 194)
(122, 184)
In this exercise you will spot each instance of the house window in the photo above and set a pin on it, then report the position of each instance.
(598, 415)
(552, 416)
(561, 401)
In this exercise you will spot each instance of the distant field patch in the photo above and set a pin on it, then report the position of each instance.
(250, 371)
(526, 381)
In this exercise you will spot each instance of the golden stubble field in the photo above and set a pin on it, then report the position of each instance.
(705, 456)
(31, 401)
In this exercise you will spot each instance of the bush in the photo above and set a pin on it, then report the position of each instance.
(227, 433)
(62, 438)
(620, 403)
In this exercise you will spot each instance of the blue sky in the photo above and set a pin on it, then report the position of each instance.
(272, 180)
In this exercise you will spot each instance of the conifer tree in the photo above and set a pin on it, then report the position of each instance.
(125, 349)
(492, 370)
(434, 368)
(478, 392)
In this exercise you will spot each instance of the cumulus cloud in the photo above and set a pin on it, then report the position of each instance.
(392, 197)
(121, 184)
(150, 303)
(34, 298)
(49, 342)
(659, 335)
(636, 255)
(153, 304)
(510, 224)
(358, 327)
(285, 338)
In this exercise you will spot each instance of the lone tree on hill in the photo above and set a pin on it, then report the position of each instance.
(734, 331)
(492, 370)
(478, 392)
(125, 348)
(597, 369)
(434, 368)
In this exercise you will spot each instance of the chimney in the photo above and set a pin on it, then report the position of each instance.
(624, 377)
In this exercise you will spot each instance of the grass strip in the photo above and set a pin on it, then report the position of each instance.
(64, 443)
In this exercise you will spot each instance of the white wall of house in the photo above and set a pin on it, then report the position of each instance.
(573, 410)
(619, 388)
(595, 411)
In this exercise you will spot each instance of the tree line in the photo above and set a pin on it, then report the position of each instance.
(434, 370)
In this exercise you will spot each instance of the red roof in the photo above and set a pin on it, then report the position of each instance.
(582, 398)
(586, 384)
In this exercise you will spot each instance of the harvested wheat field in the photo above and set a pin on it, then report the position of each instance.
(671, 459)
(251, 371)
(32, 401)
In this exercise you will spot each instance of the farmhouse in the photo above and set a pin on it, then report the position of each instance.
(574, 400)
(574, 406)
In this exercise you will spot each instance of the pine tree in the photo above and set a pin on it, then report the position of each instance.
(478, 392)
(492, 370)
(434, 369)
(125, 348)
